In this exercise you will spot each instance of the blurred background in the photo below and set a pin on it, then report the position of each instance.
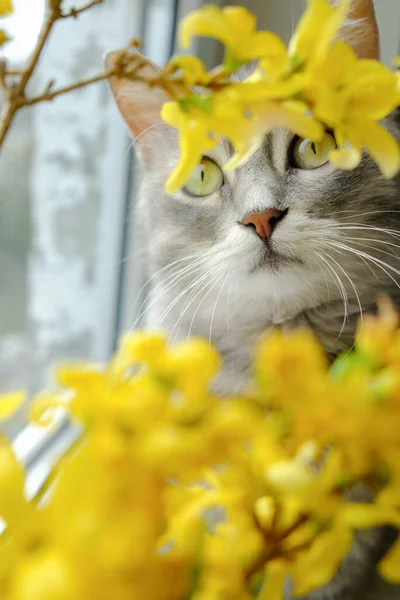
(68, 180)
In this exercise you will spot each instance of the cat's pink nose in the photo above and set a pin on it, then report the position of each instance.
(263, 222)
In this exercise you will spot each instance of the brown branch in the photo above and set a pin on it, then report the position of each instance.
(130, 73)
(49, 95)
(15, 95)
(74, 12)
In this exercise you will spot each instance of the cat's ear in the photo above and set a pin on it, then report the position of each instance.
(140, 105)
(361, 29)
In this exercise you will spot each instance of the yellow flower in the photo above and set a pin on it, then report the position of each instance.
(308, 43)
(6, 7)
(13, 508)
(248, 133)
(44, 576)
(378, 337)
(275, 575)
(245, 124)
(194, 139)
(193, 70)
(312, 569)
(4, 37)
(389, 566)
(350, 95)
(142, 347)
(10, 403)
(287, 364)
(235, 28)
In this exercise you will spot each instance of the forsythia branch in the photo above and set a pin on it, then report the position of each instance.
(74, 12)
(15, 92)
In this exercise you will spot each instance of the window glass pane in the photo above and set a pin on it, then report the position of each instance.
(60, 194)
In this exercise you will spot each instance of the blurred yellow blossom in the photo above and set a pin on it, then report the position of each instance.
(9, 403)
(172, 492)
(3, 37)
(307, 44)
(215, 497)
(6, 7)
(315, 84)
(350, 95)
(235, 27)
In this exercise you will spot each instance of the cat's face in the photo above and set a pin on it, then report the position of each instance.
(284, 233)
(327, 238)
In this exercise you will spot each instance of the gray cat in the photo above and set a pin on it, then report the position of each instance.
(286, 240)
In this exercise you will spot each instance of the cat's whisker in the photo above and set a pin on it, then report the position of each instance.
(177, 277)
(368, 256)
(341, 251)
(357, 227)
(213, 284)
(215, 307)
(193, 286)
(228, 300)
(341, 289)
(377, 262)
(161, 270)
(175, 300)
(376, 241)
(356, 214)
(318, 264)
(193, 294)
(356, 292)
(153, 126)
(363, 245)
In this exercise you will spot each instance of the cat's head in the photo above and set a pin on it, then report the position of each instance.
(287, 221)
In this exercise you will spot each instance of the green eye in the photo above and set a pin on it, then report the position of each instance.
(307, 154)
(206, 179)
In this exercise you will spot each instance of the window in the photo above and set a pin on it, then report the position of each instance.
(68, 182)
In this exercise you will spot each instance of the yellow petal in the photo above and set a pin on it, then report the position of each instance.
(345, 158)
(12, 502)
(389, 567)
(172, 114)
(365, 516)
(244, 152)
(269, 47)
(372, 88)
(10, 403)
(43, 409)
(308, 28)
(193, 141)
(381, 145)
(208, 21)
(331, 28)
(266, 117)
(250, 91)
(3, 37)
(265, 511)
(194, 71)
(44, 576)
(341, 58)
(307, 41)
(275, 575)
(330, 106)
(312, 569)
(240, 19)
(289, 476)
(6, 7)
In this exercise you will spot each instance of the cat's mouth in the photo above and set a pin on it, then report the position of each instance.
(271, 259)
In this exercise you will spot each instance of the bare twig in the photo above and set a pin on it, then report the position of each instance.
(125, 64)
(15, 95)
(74, 12)
(49, 95)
